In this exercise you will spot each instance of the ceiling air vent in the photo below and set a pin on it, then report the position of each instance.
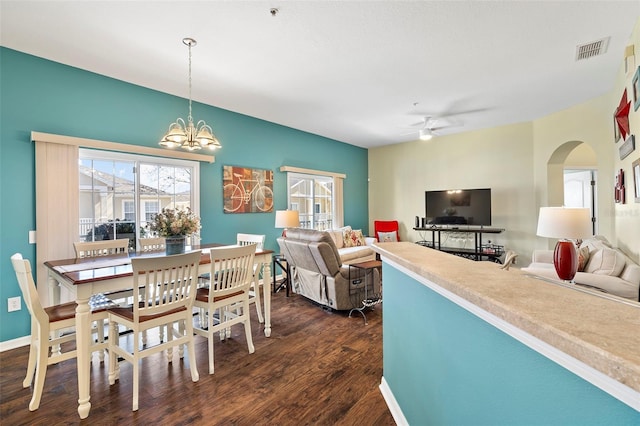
(595, 48)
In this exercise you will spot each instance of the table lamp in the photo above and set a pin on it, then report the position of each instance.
(287, 219)
(566, 224)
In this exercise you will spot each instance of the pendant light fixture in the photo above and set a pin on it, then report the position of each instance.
(189, 136)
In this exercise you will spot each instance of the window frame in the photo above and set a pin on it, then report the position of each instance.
(137, 160)
(314, 197)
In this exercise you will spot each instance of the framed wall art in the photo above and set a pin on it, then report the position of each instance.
(627, 147)
(619, 188)
(636, 179)
(247, 190)
(635, 88)
(616, 130)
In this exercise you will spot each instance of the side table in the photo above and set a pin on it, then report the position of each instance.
(367, 300)
(281, 261)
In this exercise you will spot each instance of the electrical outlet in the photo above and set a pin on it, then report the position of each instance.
(14, 304)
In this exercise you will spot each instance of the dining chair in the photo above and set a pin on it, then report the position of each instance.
(163, 295)
(87, 249)
(231, 272)
(254, 292)
(100, 248)
(47, 325)
(151, 244)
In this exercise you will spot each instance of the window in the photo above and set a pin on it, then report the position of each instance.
(129, 211)
(120, 193)
(151, 208)
(313, 197)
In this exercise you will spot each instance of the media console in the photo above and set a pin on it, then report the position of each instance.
(491, 252)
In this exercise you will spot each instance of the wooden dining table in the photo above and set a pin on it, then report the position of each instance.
(88, 276)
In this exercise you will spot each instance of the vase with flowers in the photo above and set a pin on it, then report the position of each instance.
(175, 225)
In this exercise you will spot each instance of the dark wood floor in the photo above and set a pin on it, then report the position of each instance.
(317, 368)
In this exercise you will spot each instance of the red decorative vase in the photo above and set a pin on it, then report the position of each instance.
(565, 260)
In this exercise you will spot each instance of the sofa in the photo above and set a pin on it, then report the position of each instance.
(600, 266)
(318, 273)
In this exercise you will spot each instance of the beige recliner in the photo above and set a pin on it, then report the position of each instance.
(318, 274)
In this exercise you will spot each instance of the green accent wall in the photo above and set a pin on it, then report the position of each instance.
(446, 366)
(45, 96)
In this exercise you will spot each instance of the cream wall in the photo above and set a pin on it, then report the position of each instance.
(523, 164)
(626, 217)
(498, 158)
(555, 136)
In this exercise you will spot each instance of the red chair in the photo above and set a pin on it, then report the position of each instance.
(386, 227)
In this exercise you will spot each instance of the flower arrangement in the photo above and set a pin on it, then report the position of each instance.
(172, 223)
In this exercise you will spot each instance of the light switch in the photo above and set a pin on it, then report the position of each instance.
(32, 237)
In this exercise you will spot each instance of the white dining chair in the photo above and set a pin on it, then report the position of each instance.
(231, 272)
(101, 248)
(90, 249)
(151, 244)
(47, 325)
(254, 292)
(163, 295)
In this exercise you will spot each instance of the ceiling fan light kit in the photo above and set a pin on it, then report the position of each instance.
(426, 134)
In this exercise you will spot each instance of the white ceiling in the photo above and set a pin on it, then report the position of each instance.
(348, 70)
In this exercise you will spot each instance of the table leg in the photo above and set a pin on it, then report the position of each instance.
(83, 344)
(266, 288)
(54, 299)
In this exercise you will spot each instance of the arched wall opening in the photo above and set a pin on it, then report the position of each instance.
(574, 155)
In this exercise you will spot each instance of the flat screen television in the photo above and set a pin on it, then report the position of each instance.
(458, 207)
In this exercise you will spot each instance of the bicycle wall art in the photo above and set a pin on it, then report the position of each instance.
(247, 190)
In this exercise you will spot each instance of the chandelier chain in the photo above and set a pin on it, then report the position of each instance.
(190, 117)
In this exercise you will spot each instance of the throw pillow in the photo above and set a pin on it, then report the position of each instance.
(353, 238)
(385, 237)
(583, 258)
(605, 261)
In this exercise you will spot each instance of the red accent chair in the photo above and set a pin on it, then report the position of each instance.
(385, 226)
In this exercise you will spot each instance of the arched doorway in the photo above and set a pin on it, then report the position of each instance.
(572, 178)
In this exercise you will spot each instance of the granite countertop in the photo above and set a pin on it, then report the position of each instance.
(602, 333)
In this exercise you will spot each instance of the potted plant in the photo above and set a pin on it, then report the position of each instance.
(174, 225)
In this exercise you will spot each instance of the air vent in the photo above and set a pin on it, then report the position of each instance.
(595, 48)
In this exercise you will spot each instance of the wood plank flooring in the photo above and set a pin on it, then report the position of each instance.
(317, 368)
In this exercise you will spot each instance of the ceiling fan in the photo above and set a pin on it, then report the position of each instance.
(430, 126)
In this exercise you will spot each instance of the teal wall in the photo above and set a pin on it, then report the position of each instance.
(444, 365)
(44, 96)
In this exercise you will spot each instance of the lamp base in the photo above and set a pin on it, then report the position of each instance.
(565, 260)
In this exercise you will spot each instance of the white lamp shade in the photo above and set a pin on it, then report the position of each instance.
(287, 219)
(564, 222)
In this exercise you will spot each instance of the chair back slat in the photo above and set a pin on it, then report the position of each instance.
(246, 239)
(151, 244)
(232, 268)
(22, 268)
(164, 283)
(101, 248)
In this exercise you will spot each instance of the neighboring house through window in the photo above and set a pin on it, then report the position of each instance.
(317, 196)
(120, 193)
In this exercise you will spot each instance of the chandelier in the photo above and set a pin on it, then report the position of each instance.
(189, 136)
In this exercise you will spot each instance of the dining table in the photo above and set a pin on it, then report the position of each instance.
(85, 277)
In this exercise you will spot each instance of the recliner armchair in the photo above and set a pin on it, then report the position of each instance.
(318, 273)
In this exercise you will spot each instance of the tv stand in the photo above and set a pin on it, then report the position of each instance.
(491, 252)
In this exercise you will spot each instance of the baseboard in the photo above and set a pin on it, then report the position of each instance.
(15, 343)
(392, 404)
